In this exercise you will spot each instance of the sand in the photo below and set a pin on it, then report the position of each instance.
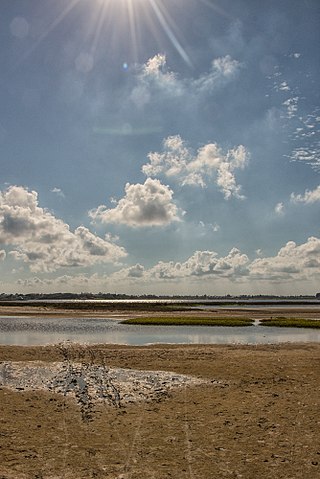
(251, 412)
(121, 311)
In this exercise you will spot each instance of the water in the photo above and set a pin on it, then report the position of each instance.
(27, 331)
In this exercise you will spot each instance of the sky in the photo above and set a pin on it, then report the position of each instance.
(160, 146)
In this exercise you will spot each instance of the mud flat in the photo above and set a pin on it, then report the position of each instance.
(234, 412)
(130, 310)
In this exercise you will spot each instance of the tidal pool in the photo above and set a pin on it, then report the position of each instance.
(27, 331)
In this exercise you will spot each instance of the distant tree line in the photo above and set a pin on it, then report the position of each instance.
(119, 296)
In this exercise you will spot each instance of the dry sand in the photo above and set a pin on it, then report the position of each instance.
(254, 415)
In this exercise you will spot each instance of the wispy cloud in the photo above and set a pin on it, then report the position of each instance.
(58, 192)
(223, 69)
(279, 209)
(301, 123)
(306, 137)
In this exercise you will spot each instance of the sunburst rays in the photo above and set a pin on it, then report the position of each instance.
(121, 22)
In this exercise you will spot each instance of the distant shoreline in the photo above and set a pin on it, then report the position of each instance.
(105, 297)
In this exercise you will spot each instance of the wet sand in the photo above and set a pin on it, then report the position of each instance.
(255, 415)
(133, 310)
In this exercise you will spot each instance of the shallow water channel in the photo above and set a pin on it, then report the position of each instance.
(27, 331)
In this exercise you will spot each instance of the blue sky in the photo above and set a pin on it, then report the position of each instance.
(156, 146)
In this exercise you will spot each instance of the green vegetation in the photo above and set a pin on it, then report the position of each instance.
(189, 321)
(283, 322)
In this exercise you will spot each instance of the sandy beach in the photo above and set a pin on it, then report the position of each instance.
(255, 413)
(73, 411)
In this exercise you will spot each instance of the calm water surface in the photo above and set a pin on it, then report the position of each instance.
(28, 331)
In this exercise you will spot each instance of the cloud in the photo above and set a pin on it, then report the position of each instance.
(44, 242)
(148, 204)
(302, 124)
(284, 86)
(295, 55)
(309, 197)
(132, 273)
(209, 226)
(291, 105)
(222, 69)
(2, 254)
(292, 262)
(279, 209)
(136, 271)
(19, 27)
(305, 137)
(154, 80)
(209, 162)
(201, 264)
(58, 192)
(63, 283)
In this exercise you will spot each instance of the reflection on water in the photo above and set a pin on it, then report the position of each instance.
(38, 331)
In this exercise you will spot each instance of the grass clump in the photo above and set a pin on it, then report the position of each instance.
(282, 322)
(189, 321)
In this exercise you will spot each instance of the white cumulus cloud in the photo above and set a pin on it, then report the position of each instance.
(154, 80)
(292, 262)
(45, 242)
(148, 204)
(209, 163)
(310, 196)
(203, 263)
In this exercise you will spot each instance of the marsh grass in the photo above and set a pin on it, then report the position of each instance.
(189, 321)
(283, 322)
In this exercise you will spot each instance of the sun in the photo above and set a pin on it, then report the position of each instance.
(133, 16)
